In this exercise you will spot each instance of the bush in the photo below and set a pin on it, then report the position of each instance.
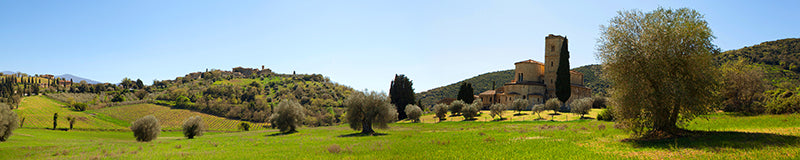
(182, 102)
(456, 106)
(497, 110)
(146, 128)
(78, 106)
(413, 112)
(193, 126)
(471, 111)
(552, 104)
(288, 115)
(244, 126)
(599, 102)
(581, 106)
(606, 115)
(117, 98)
(8, 122)
(441, 111)
(365, 110)
(519, 105)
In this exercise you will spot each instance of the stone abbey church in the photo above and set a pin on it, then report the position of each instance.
(535, 81)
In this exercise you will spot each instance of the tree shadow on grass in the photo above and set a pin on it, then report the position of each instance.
(281, 133)
(469, 120)
(362, 134)
(501, 119)
(520, 114)
(717, 140)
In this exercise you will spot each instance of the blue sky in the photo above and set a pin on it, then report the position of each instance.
(362, 44)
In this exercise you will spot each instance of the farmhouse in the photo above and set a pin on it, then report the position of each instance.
(535, 81)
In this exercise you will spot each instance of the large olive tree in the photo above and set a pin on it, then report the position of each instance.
(660, 66)
(367, 109)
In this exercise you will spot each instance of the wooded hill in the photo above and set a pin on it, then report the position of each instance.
(250, 94)
(780, 59)
(484, 82)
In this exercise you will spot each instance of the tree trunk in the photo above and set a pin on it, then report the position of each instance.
(366, 127)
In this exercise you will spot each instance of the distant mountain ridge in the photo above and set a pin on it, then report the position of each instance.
(77, 79)
(74, 78)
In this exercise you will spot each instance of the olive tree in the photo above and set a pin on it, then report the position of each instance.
(456, 106)
(743, 86)
(497, 110)
(581, 106)
(519, 105)
(413, 112)
(193, 126)
(661, 69)
(538, 108)
(146, 128)
(367, 109)
(288, 115)
(8, 121)
(471, 111)
(552, 104)
(441, 111)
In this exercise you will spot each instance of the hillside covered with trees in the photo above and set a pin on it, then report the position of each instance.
(780, 60)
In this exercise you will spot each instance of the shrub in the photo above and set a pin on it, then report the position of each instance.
(182, 102)
(606, 115)
(78, 106)
(193, 126)
(519, 105)
(288, 115)
(244, 126)
(8, 121)
(581, 106)
(146, 128)
(497, 110)
(55, 120)
(456, 106)
(599, 102)
(470, 111)
(413, 112)
(117, 98)
(441, 111)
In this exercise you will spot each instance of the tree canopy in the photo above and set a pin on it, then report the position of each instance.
(661, 69)
(402, 93)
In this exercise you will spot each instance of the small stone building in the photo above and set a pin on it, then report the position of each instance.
(535, 81)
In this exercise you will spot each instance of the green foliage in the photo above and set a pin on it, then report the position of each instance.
(781, 53)
(479, 83)
(441, 111)
(193, 126)
(537, 109)
(466, 93)
(519, 104)
(606, 114)
(8, 122)
(456, 107)
(146, 128)
(118, 98)
(592, 78)
(471, 111)
(77, 106)
(288, 116)
(599, 102)
(553, 104)
(365, 110)
(413, 112)
(581, 106)
(55, 120)
(401, 93)
(655, 89)
(497, 110)
(71, 120)
(244, 126)
(782, 101)
(182, 102)
(742, 88)
(563, 86)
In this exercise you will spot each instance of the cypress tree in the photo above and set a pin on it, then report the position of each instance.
(401, 94)
(562, 74)
(465, 93)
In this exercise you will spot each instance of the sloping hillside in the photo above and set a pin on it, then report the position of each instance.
(484, 82)
(171, 119)
(38, 113)
(479, 83)
(780, 59)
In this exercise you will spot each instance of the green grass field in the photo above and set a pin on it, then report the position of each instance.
(171, 119)
(725, 137)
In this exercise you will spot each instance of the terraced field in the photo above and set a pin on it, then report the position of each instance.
(171, 119)
(38, 113)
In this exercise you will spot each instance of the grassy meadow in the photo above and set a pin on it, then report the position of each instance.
(723, 136)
